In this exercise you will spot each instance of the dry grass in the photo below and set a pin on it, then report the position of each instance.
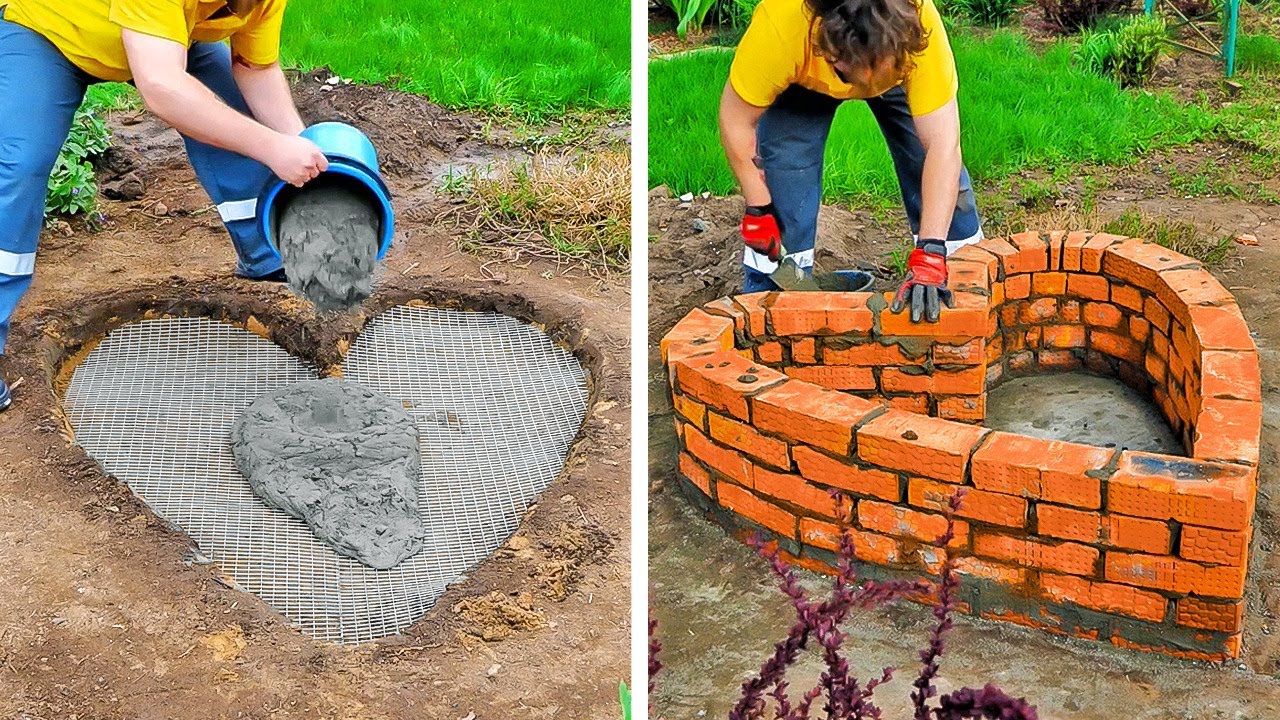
(572, 208)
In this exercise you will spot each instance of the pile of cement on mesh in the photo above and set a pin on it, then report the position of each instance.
(341, 458)
(328, 238)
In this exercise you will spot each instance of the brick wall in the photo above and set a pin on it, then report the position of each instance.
(780, 397)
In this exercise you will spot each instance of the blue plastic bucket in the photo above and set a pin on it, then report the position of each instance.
(352, 161)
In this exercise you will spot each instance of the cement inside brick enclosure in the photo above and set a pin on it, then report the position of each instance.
(1080, 408)
(328, 239)
(341, 458)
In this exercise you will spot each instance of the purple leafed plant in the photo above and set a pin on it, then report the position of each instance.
(817, 628)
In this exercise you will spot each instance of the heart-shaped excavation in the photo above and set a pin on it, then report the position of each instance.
(496, 406)
(341, 458)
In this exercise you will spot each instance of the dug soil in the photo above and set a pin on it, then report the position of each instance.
(106, 612)
(717, 608)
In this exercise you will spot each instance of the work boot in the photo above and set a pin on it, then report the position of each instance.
(278, 276)
(6, 399)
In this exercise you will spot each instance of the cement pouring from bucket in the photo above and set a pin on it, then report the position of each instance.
(331, 232)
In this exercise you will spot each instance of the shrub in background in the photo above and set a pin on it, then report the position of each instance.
(1126, 51)
(72, 189)
(991, 13)
(1068, 16)
(690, 14)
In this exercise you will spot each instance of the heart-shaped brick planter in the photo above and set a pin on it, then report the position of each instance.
(782, 397)
(496, 403)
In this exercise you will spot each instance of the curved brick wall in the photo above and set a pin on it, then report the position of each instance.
(780, 397)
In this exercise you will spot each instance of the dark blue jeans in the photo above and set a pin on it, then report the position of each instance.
(792, 139)
(40, 90)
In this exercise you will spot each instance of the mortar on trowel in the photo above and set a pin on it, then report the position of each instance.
(339, 277)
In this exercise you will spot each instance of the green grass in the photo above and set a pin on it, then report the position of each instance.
(113, 96)
(530, 58)
(1257, 52)
(1020, 110)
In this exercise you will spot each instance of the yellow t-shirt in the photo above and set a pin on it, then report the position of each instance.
(88, 31)
(777, 52)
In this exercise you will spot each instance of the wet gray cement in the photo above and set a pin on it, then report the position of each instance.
(342, 458)
(719, 611)
(1081, 408)
(328, 239)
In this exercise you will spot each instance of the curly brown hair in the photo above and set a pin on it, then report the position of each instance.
(865, 33)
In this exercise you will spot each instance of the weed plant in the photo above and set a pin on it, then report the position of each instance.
(72, 189)
(990, 13)
(1126, 51)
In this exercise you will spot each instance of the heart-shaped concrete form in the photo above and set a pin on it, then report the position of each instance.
(341, 458)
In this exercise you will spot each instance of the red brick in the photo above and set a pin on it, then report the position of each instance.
(690, 409)
(976, 253)
(1069, 311)
(1179, 289)
(794, 490)
(804, 350)
(754, 305)
(1069, 558)
(695, 473)
(1115, 345)
(1056, 239)
(1039, 311)
(918, 444)
(1128, 296)
(1231, 375)
(1089, 287)
(1139, 329)
(1189, 491)
(972, 409)
(867, 546)
(967, 275)
(1228, 431)
(1033, 254)
(820, 313)
(1149, 536)
(764, 513)
(900, 522)
(1091, 251)
(1102, 315)
(1105, 597)
(835, 377)
(1064, 336)
(918, 403)
(969, 353)
(747, 440)
(1071, 250)
(801, 412)
(836, 473)
(1205, 615)
(979, 505)
(1230, 649)
(723, 460)
(868, 354)
(1140, 263)
(1058, 360)
(769, 352)
(1049, 283)
(969, 381)
(1017, 287)
(977, 567)
(1162, 572)
(966, 319)
(697, 333)
(725, 381)
(1220, 328)
(1213, 546)
(1050, 470)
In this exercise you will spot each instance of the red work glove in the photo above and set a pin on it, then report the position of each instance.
(926, 282)
(762, 232)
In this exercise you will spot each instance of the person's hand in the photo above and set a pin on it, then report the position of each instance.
(762, 231)
(295, 159)
(925, 286)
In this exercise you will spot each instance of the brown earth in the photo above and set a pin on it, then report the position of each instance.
(103, 614)
(716, 605)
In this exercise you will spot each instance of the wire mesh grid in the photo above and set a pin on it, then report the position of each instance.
(496, 402)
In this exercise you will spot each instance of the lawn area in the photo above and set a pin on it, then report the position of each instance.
(1020, 108)
(528, 57)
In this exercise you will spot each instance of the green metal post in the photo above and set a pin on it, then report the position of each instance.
(1229, 42)
(1148, 6)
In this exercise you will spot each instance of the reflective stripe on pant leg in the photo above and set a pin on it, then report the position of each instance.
(899, 129)
(792, 138)
(39, 93)
(234, 182)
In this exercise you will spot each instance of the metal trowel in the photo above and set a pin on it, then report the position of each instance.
(792, 277)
